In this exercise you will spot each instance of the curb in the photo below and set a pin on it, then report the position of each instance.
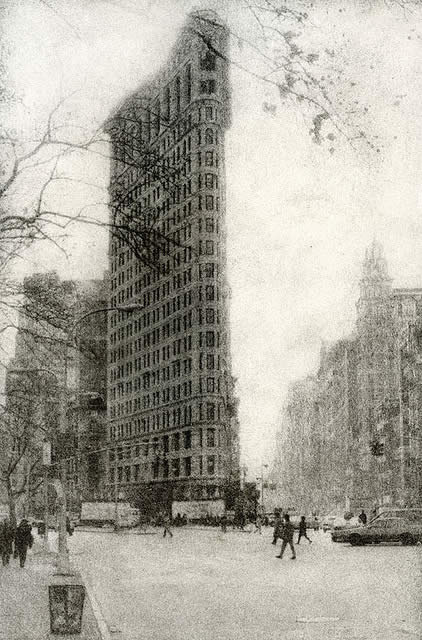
(98, 614)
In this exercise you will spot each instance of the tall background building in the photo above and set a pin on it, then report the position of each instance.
(351, 435)
(172, 416)
(55, 390)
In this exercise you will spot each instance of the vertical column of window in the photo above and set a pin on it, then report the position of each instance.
(140, 135)
(188, 84)
(207, 83)
(147, 123)
(167, 105)
(157, 116)
(177, 95)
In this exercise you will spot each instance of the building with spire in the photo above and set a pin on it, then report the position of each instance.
(389, 384)
(172, 418)
(363, 427)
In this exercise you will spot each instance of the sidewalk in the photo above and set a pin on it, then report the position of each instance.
(24, 605)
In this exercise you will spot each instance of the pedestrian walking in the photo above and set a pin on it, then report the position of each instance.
(69, 527)
(6, 541)
(316, 524)
(363, 517)
(167, 529)
(286, 534)
(302, 530)
(23, 540)
(223, 523)
(258, 524)
(278, 522)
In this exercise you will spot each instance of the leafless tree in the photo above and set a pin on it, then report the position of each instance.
(26, 417)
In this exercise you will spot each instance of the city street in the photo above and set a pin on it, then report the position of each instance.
(209, 585)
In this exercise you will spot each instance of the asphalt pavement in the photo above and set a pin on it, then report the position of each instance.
(209, 585)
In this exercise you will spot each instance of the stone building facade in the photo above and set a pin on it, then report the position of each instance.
(365, 399)
(59, 364)
(172, 419)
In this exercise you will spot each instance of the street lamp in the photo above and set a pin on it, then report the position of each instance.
(263, 466)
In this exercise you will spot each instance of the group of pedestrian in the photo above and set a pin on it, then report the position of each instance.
(180, 520)
(284, 530)
(15, 541)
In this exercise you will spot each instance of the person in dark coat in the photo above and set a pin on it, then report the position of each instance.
(23, 540)
(363, 517)
(69, 527)
(6, 541)
(286, 534)
(278, 523)
(302, 530)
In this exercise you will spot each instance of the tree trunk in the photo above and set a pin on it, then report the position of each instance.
(12, 503)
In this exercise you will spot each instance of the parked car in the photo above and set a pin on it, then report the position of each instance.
(342, 523)
(404, 530)
(414, 513)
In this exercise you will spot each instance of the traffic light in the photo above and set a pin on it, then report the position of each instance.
(377, 448)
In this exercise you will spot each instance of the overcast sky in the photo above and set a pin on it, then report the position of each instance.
(299, 217)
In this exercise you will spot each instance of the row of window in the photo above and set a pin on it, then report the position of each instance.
(151, 378)
(166, 245)
(171, 183)
(206, 360)
(175, 468)
(206, 247)
(208, 270)
(168, 394)
(207, 338)
(177, 417)
(180, 280)
(205, 316)
(179, 93)
(166, 169)
(128, 142)
(165, 444)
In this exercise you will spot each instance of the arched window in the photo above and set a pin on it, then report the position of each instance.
(209, 136)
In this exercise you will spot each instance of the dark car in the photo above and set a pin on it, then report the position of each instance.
(404, 530)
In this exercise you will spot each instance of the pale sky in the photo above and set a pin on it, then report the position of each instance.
(299, 218)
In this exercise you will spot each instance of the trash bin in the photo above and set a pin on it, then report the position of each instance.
(66, 607)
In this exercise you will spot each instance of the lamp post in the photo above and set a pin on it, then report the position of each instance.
(116, 492)
(261, 478)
